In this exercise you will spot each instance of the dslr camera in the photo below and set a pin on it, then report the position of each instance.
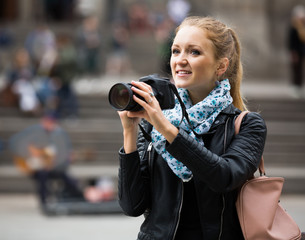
(121, 96)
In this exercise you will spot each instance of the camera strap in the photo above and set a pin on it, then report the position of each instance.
(145, 134)
(184, 112)
(184, 115)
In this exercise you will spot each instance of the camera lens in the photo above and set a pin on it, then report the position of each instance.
(120, 96)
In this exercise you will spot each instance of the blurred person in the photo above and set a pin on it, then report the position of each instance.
(101, 189)
(164, 36)
(28, 101)
(62, 74)
(46, 91)
(43, 152)
(41, 45)
(296, 46)
(118, 61)
(19, 87)
(184, 176)
(16, 70)
(178, 10)
(89, 42)
(138, 18)
(6, 42)
(6, 37)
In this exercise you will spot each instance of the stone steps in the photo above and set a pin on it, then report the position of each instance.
(98, 132)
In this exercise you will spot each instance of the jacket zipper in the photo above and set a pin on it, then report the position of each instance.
(149, 153)
(179, 212)
(223, 197)
(149, 148)
(221, 217)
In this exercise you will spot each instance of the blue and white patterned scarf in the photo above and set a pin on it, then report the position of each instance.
(201, 115)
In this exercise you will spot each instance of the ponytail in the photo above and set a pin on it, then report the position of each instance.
(235, 73)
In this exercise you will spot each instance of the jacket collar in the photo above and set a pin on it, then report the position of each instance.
(229, 111)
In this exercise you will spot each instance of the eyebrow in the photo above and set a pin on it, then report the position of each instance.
(188, 46)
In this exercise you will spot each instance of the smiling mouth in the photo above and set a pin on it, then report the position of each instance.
(183, 72)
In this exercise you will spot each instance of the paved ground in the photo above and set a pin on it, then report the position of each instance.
(21, 219)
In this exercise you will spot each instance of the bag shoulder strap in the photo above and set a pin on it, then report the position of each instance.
(237, 124)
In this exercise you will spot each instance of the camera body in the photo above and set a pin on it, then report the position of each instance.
(120, 95)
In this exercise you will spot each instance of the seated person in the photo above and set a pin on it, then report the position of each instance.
(43, 151)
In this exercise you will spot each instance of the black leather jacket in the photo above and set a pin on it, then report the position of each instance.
(148, 186)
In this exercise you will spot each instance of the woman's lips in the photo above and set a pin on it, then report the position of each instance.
(182, 73)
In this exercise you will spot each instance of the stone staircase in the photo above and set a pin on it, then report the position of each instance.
(97, 135)
(284, 153)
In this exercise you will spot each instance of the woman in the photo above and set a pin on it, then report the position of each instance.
(186, 180)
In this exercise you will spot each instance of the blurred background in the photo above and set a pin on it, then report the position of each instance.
(58, 60)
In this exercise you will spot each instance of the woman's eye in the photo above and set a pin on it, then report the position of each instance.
(175, 51)
(195, 52)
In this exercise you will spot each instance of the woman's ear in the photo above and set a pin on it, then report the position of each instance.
(222, 66)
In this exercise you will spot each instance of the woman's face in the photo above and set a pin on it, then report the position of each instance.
(193, 61)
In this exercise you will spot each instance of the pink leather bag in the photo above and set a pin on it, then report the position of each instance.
(260, 214)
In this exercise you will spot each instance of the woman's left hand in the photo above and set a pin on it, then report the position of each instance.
(151, 110)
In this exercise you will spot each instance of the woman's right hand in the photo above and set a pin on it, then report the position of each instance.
(128, 123)
(130, 131)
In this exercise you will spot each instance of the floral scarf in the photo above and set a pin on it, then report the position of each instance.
(201, 115)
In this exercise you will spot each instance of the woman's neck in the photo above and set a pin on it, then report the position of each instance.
(197, 94)
(197, 97)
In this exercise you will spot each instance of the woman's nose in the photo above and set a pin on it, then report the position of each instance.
(182, 60)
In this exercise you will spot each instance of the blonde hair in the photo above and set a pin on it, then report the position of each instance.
(226, 44)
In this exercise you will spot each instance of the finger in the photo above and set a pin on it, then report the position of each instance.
(143, 86)
(137, 114)
(146, 95)
(147, 88)
(145, 104)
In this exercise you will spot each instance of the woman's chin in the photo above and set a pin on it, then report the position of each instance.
(180, 84)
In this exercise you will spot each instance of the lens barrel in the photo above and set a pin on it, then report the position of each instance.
(120, 97)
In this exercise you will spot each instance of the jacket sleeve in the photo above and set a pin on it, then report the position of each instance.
(223, 173)
(132, 185)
